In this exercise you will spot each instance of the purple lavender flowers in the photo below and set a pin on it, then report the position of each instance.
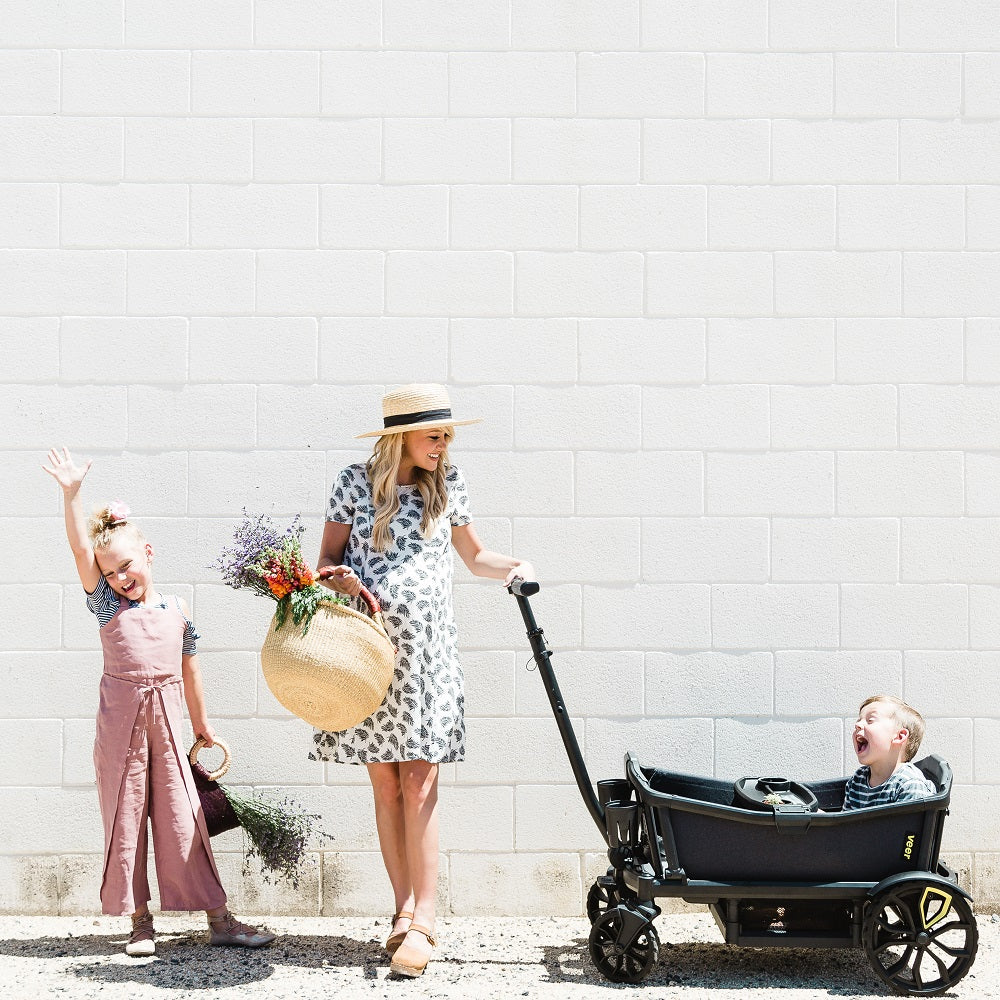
(239, 563)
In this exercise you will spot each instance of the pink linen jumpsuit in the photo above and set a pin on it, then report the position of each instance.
(141, 770)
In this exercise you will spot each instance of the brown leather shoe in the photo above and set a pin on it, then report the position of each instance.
(408, 961)
(227, 930)
(395, 939)
(142, 943)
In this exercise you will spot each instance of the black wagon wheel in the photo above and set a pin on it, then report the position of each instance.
(623, 963)
(601, 898)
(920, 937)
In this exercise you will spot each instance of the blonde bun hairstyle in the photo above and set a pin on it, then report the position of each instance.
(109, 522)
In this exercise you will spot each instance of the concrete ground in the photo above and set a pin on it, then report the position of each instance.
(80, 958)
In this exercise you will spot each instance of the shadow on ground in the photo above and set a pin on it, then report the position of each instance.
(699, 965)
(185, 962)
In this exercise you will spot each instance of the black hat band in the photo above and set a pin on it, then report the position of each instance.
(420, 417)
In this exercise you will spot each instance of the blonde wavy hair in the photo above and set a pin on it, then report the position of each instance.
(382, 468)
(103, 526)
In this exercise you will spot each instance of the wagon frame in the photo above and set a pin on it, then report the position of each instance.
(784, 876)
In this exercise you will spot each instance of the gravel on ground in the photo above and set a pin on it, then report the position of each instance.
(81, 958)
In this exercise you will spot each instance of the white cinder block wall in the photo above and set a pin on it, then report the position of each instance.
(721, 275)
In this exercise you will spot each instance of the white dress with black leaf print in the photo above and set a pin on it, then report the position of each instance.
(422, 717)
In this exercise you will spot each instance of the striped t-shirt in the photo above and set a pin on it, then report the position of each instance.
(906, 782)
(104, 603)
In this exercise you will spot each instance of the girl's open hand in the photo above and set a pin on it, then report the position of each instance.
(65, 471)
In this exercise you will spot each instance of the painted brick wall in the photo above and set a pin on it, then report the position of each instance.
(721, 275)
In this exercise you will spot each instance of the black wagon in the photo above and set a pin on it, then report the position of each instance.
(777, 863)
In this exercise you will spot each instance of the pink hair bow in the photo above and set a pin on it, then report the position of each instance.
(118, 512)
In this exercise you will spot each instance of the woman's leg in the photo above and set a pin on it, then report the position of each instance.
(419, 783)
(391, 835)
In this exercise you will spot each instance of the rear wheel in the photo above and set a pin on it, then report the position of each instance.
(619, 961)
(920, 937)
(601, 898)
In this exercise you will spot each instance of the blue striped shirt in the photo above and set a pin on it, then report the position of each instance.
(906, 782)
(104, 603)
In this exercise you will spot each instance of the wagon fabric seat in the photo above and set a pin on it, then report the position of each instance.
(696, 828)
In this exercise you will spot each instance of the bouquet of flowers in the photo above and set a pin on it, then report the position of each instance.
(270, 564)
(276, 833)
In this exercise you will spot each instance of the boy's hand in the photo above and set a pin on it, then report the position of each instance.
(65, 471)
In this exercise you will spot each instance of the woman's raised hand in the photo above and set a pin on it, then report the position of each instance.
(65, 471)
(340, 578)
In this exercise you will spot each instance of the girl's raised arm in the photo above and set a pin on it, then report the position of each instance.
(70, 477)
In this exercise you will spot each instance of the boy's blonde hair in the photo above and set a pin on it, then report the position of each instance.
(106, 523)
(905, 716)
(382, 467)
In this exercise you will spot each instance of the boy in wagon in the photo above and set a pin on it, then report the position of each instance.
(887, 736)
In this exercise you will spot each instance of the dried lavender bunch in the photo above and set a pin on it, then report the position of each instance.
(276, 834)
(238, 563)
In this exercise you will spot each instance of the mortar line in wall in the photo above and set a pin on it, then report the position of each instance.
(381, 150)
(774, 287)
(319, 79)
(576, 84)
(59, 216)
(965, 217)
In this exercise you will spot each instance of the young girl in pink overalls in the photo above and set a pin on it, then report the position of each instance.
(150, 661)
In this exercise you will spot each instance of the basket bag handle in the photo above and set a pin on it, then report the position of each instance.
(374, 607)
(223, 767)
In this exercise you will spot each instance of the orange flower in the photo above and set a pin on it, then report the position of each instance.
(278, 587)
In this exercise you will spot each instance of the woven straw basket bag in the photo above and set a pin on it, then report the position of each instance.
(336, 674)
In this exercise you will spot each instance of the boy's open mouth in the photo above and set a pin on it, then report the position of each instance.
(129, 587)
(860, 744)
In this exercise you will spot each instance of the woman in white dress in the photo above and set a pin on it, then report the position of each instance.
(391, 524)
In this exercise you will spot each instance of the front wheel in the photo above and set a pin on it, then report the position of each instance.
(920, 937)
(617, 960)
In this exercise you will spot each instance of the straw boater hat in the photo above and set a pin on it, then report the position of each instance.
(414, 406)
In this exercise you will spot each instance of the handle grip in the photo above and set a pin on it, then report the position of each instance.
(523, 588)
(223, 767)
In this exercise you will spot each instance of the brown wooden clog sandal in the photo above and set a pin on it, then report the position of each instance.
(407, 961)
(393, 941)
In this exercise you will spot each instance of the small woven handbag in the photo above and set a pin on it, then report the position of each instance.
(219, 814)
(336, 674)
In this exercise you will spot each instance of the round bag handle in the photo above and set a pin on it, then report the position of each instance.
(226, 757)
(370, 599)
(373, 605)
